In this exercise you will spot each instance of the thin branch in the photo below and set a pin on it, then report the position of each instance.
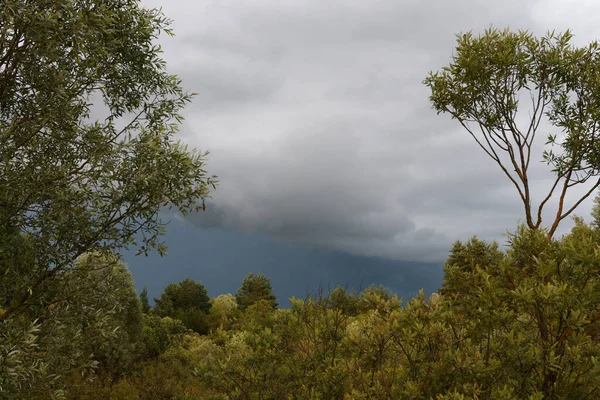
(543, 203)
(492, 155)
(585, 196)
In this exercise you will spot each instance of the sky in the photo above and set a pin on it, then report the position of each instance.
(324, 141)
(220, 259)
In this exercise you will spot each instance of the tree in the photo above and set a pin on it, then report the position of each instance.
(100, 301)
(464, 261)
(88, 116)
(223, 311)
(255, 287)
(144, 300)
(596, 212)
(344, 301)
(160, 334)
(483, 87)
(88, 156)
(187, 301)
(93, 323)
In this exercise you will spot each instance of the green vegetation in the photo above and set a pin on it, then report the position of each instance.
(254, 289)
(186, 301)
(498, 79)
(74, 191)
(144, 300)
(76, 186)
(514, 324)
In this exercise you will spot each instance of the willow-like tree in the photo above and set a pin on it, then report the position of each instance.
(88, 155)
(496, 78)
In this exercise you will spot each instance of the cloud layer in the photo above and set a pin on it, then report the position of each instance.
(320, 127)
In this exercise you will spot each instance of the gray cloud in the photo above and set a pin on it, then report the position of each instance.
(320, 128)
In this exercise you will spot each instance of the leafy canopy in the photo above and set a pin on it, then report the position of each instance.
(94, 323)
(88, 157)
(88, 116)
(255, 287)
(187, 301)
(504, 87)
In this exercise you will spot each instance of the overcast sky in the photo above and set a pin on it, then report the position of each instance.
(320, 128)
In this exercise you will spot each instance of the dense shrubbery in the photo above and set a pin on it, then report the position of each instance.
(93, 322)
(514, 324)
(519, 324)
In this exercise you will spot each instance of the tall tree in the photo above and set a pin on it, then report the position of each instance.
(100, 299)
(484, 88)
(187, 301)
(255, 287)
(88, 156)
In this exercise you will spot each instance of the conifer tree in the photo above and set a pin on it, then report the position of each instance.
(255, 287)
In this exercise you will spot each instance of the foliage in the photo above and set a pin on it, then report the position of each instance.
(159, 334)
(223, 312)
(186, 301)
(484, 87)
(255, 287)
(144, 301)
(72, 183)
(94, 321)
(520, 324)
(88, 157)
(21, 364)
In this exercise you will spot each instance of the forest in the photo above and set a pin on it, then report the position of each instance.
(80, 183)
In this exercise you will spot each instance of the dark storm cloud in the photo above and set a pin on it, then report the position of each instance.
(320, 127)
